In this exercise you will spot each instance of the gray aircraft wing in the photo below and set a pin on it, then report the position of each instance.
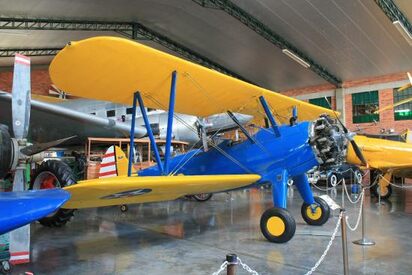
(51, 122)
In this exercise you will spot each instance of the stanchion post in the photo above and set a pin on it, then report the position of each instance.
(344, 243)
(231, 264)
(364, 241)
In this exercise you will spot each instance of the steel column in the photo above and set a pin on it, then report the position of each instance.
(270, 116)
(170, 115)
(150, 132)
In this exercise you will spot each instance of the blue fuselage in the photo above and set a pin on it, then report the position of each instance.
(290, 151)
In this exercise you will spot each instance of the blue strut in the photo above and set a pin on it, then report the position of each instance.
(170, 122)
(270, 116)
(150, 133)
(131, 150)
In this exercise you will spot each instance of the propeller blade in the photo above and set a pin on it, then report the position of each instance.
(355, 146)
(40, 147)
(21, 96)
(359, 153)
(18, 180)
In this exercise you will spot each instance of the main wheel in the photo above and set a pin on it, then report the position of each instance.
(277, 225)
(384, 192)
(54, 174)
(203, 197)
(317, 215)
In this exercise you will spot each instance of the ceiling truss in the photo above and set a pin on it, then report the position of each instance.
(394, 13)
(264, 31)
(132, 30)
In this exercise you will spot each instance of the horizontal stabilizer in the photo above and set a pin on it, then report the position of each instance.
(21, 208)
(138, 189)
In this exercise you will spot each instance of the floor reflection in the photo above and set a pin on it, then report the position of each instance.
(190, 237)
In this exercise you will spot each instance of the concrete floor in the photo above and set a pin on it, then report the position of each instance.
(188, 237)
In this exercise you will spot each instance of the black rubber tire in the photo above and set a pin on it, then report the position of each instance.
(288, 220)
(65, 176)
(333, 180)
(6, 267)
(375, 190)
(324, 217)
(5, 150)
(203, 197)
(124, 208)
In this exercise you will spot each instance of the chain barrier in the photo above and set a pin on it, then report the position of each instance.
(246, 267)
(332, 238)
(394, 184)
(221, 268)
(362, 196)
(224, 265)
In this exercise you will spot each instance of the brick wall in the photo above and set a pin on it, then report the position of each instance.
(386, 118)
(40, 81)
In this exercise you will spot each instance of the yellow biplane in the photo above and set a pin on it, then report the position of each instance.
(126, 72)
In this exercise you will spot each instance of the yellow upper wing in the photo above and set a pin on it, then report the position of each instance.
(128, 190)
(112, 69)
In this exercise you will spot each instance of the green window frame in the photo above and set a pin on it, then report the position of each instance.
(321, 101)
(403, 111)
(363, 107)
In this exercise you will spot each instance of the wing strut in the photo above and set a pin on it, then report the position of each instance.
(149, 131)
(170, 115)
(245, 132)
(270, 116)
(132, 126)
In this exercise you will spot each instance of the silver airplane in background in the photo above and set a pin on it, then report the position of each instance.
(91, 118)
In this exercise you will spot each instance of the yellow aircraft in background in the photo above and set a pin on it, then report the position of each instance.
(390, 158)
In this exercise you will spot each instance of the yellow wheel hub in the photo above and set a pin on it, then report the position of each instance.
(276, 226)
(314, 215)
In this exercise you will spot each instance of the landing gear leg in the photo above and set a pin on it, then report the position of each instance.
(315, 211)
(277, 224)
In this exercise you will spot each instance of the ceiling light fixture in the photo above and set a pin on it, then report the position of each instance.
(296, 58)
(404, 31)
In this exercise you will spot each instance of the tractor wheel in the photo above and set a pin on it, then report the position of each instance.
(317, 214)
(277, 225)
(54, 174)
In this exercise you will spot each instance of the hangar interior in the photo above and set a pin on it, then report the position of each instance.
(349, 57)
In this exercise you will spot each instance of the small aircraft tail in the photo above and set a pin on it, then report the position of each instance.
(114, 163)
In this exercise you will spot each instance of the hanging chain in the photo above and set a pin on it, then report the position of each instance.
(362, 196)
(246, 267)
(332, 238)
(221, 268)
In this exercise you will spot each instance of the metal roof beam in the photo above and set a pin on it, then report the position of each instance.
(132, 30)
(394, 13)
(264, 31)
(10, 52)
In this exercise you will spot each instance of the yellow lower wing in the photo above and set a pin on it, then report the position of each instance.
(128, 190)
